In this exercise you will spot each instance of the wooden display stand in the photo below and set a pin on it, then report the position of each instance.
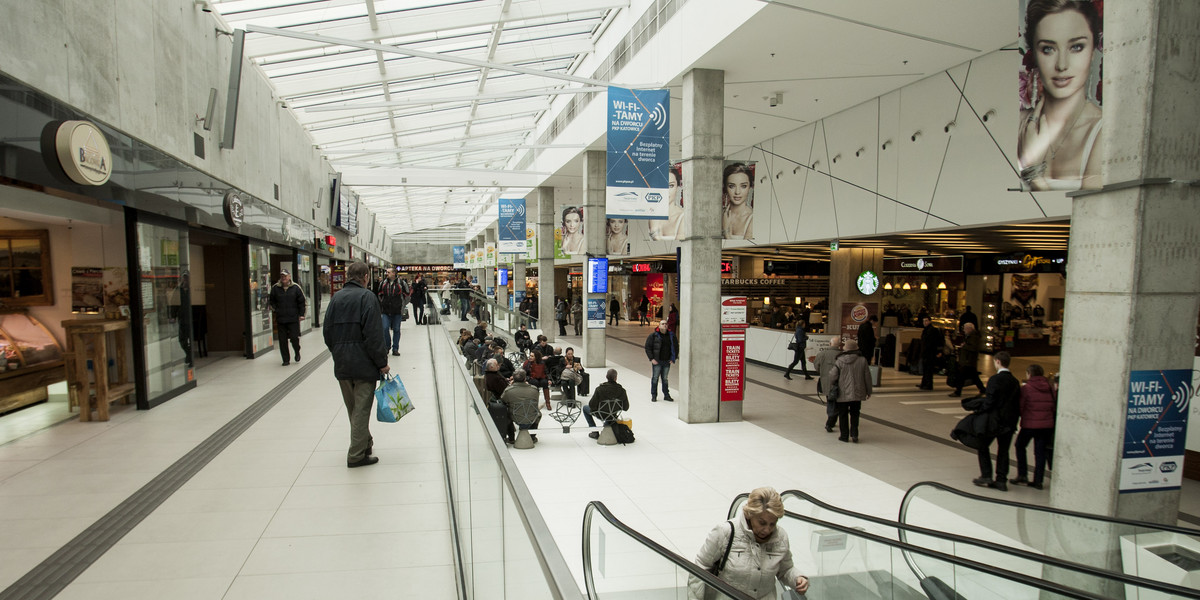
(88, 339)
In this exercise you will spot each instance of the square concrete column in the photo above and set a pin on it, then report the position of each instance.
(594, 226)
(696, 373)
(1133, 288)
(545, 254)
(518, 279)
(489, 237)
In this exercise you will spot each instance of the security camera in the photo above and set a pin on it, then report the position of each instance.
(916, 136)
(858, 153)
(886, 144)
(989, 114)
(950, 126)
(775, 100)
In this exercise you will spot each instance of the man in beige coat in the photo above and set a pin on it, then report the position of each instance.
(854, 379)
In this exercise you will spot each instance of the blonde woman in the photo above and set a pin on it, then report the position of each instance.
(758, 554)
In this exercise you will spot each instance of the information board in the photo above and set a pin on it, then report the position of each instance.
(1155, 430)
(597, 276)
(595, 313)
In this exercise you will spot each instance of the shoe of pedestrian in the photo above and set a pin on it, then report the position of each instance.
(1019, 481)
(807, 378)
(854, 439)
(653, 399)
(842, 439)
(787, 377)
(828, 429)
(955, 394)
(669, 399)
(999, 484)
(297, 357)
(395, 353)
(366, 460)
(595, 435)
(286, 363)
(548, 405)
(534, 436)
(1036, 486)
(982, 481)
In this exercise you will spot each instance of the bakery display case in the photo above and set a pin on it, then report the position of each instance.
(33, 359)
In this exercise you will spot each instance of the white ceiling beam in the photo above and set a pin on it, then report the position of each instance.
(411, 23)
(401, 50)
(452, 148)
(453, 177)
(425, 101)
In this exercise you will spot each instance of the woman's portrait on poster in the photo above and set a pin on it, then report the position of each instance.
(572, 230)
(1060, 125)
(672, 227)
(737, 202)
(617, 236)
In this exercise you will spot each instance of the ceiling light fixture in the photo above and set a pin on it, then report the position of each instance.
(924, 285)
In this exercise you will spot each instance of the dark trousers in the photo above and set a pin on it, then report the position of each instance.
(847, 414)
(798, 358)
(928, 366)
(288, 332)
(1041, 441)
(1003, 445)
(419, 312)
(967, 375)
(562, 327)
(868, 352)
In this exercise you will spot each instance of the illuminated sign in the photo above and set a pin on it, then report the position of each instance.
(641, 267)
(727, 266)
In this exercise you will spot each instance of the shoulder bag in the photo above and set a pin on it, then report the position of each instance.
(719, 566)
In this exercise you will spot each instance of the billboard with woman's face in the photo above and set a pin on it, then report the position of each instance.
(671, 228)
(1059, 88)
(737, 201)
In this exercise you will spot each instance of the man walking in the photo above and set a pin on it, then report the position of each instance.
(289, 305)
(799, 341)
(419, 289)
(968, 356)
(353, 333)
(1002, 405)
(662, 348)
(614, 311)
(867, 339)
(393, 295)
(931, 346)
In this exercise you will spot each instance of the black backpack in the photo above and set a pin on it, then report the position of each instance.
(623, 433)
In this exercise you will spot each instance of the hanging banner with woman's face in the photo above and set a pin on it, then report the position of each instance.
(568, 236)
(672, 227)
(617, 237)
(1059, 87)
(737, 201)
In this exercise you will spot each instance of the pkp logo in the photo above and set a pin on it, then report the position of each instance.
(654, 197)
(1168, 467)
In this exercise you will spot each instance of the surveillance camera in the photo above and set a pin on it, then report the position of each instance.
(886, 144)
(989, 114)
(859, 152)
(916, 136)
(773, 102)
(950, 126)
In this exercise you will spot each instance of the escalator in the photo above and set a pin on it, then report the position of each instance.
(989, 551)
(842, 562)
(1151, 551)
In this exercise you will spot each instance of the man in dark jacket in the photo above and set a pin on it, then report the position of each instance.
(931, 346)
(353, 333)
(968, 357)
(662, 348)
(289, 306)
(393, 295)
(867, 338)
(419, 287)
(1002, 404)
(968, 317)
(609, 390)
(800, 342)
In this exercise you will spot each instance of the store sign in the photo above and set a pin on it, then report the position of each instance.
(923, 264)
(733, 364)
(867, 282)
(1155, 430)
(762, 281)
(424, 268)
(83, 152)
(726, 267)
(234, 208)
(641, 268)
(1031, 262)
(855, 314)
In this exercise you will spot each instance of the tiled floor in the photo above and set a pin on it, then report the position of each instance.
(278, 515)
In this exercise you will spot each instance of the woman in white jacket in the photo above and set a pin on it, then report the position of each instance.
(758, 554)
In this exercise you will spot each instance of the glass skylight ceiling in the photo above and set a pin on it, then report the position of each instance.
(383, 112)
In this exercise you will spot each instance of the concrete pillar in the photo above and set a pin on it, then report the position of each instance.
(594, 181)
(545, 254)
(518, 279)
(697, 373)
(844, 268)
(489, 272)
(1133, 289)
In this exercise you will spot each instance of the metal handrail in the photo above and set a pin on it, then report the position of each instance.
(903, 529)
(596, 506)
(554, 566)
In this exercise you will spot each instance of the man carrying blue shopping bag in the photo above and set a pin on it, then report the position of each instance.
(391, 400)
(353, 333)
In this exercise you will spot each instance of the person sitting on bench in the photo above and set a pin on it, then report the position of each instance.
(609, 390)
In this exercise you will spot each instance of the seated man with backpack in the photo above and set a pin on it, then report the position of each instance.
(615, 395)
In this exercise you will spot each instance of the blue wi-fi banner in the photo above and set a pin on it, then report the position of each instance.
(639, 134)
(460, 257)
(1156, 416)
(512, 226)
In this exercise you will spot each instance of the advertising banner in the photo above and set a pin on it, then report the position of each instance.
(855, 314)
(595, 313)
(733, 311)
(531, 245)
(87, 290)
(490, 254)
(568, 236)
(512, 226)
(639, 133)
(733, 364)
(1059, 92)
(460, 257)
(1155, 430)
(737, 201)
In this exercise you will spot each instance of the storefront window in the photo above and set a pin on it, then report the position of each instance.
(324, 285)
(25, 268)
(166, 309)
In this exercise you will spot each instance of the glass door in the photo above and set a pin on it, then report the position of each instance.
(163, 309)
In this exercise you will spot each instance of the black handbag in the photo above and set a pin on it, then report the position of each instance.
(792, 345)
(720, 565)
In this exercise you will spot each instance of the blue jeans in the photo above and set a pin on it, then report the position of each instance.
(663, 368)
(391, 331)
(587, 414)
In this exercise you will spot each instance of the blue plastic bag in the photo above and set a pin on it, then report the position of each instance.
(391, 400)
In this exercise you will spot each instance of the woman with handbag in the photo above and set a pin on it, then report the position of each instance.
(749, 552)
(797, 345)
(539, 375)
